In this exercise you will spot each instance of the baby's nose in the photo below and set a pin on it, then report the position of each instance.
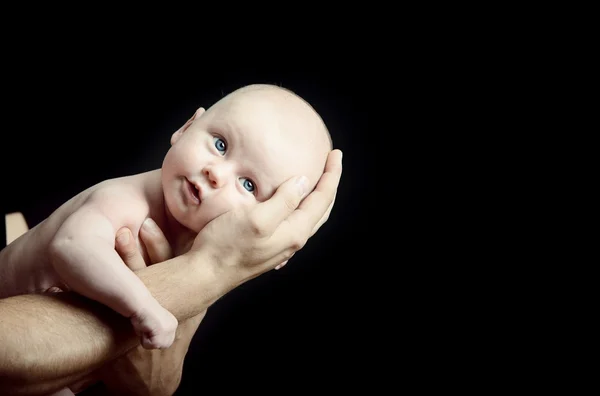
(217, 175)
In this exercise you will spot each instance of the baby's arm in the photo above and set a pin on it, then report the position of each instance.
(83, 255)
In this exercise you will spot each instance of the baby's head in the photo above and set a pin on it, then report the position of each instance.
(240, 150)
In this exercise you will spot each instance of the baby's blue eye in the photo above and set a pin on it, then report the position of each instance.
(247, 183)
(220, 145)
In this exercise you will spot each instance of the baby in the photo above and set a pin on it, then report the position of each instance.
(234, 154)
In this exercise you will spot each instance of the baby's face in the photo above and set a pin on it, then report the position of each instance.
(238, 153)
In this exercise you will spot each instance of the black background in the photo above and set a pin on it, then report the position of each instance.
(318, 320)
(394, 289)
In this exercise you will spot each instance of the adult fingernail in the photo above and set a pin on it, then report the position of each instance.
(150, 225)
(123, 237)
(301, 183)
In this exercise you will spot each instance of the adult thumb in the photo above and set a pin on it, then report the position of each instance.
(268, 215)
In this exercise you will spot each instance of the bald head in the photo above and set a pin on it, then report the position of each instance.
(276, 130)
(287, 103)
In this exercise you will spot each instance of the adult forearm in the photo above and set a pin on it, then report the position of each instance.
(65, 335)
(50, 340)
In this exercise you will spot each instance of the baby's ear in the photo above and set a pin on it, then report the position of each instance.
(175, 137)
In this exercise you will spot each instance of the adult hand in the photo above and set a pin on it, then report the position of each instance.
(142, 371)
(247, 242)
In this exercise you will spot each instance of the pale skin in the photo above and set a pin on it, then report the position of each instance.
(146, 372)
(234, 155)
(140, 371)
(231, 280)
(81, 336)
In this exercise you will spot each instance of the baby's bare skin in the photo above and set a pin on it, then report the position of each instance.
(64, 251)
(235, 154)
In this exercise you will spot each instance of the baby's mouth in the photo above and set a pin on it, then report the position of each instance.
(194, 191)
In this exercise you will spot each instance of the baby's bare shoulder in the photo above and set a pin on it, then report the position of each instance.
(123, 193)
(122, 187)
(122, 200)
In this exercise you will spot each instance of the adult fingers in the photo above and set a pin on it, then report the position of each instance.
(156, 243)
(294, 231)
(315, 208)
(285, 203)
(325, 216)
(267, 216)
(284, 263)
(127, 248)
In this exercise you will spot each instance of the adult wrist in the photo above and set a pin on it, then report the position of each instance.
(205, 272)
(223, 270)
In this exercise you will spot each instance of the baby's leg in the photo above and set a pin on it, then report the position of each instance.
(97, 272)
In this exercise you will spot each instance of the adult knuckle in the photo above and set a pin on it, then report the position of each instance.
(288, 255)
(256, 226)
(290, 203)
(298, 243)
(154, 240)
(129, 254)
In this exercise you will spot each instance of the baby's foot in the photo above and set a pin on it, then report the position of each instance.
(155, 325)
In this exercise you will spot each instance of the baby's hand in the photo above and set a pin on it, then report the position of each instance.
(155, 325)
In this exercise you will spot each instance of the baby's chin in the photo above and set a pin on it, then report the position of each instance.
(193, 226)
(185, 221)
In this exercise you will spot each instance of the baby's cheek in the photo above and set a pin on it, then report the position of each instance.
(219, 205)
